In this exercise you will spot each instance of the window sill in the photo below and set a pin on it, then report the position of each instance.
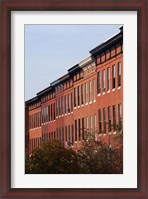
(119, 87)
(86, 104)
(113, 89)
(90, 102)
(103, 93)
(94, 101)
(99, 94)
(78, 106)
(108, 91)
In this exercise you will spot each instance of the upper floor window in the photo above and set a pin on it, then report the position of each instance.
(90, 91)
(82, 94)
(113, 77)
(94, 90)
(74, 97)
(119, 74)
(86, 94)
(68, 103)
(78, 95)
(108, 79)
(99, 81)
(103, 81)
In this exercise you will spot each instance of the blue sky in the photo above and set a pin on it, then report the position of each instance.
(50, 50)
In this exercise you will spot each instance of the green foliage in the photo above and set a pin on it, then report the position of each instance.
(53, 158)
(92, 157)
(96, 157)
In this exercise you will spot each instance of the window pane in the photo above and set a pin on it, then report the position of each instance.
(119, 74)
(99, 88)
(108, 79)
(113, 76)
(103, 81)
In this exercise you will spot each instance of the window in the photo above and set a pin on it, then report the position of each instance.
(99, 86)
(109, 119)
(68, 135)
(86, 90)
(104, 119)
(75, 130)
(74, 97)
(68, 103)
(54, 111)
(82, 128)
(72, 134)
(90, 91)
(91, 124)
(79, 130)
(87, 124)
(120, 115)
(100, 120)
(94, 90)
(119, 74)
(60, 134)
(113, 77)
(103, 81)
(114, 117)
(65, 103)
(95, 127)
(71, 101)
(51, 112)
(78, 95)
(108, 79)
(82, 94)
(59, 106)
(63, 135)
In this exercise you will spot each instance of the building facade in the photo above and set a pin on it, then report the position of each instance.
(89, 98)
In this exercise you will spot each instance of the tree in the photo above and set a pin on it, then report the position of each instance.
(53, 158)
(92, 157)
(98, 157)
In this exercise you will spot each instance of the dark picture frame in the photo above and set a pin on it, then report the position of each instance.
(6, 6)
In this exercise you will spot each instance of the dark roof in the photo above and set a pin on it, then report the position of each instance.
(32, 100)
(109, 43)
(74, 69)
(48, 89)
(60, 80)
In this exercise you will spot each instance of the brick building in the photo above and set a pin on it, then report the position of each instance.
(88, 98)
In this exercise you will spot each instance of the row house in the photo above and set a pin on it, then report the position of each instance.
(89, 98)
